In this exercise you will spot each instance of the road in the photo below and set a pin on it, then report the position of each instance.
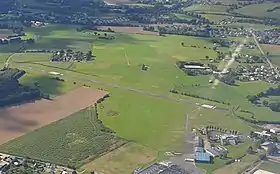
(252, 170)
(265, 56)
(119, 87)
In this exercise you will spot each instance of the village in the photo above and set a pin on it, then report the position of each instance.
(16, 164)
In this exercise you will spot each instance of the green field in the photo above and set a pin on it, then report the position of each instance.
(274, 53)
(64, 143)
(155, 123)
(270, 166)
(221, 9)
(260, 10)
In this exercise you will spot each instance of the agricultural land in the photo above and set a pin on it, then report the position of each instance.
(119, 86)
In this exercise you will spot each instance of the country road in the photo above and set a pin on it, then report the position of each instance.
(119, 87)
(265, 56)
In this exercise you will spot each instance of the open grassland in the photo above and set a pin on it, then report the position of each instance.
(215, 18)
(258, 27)
(260, 10)
(274, 53)
(123, 160)
(221, 9)
(72, 141)
(271, 167)
(238, 167)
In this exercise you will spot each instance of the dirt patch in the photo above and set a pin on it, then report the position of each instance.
(16, 121)
(131, 30)
(271, 48)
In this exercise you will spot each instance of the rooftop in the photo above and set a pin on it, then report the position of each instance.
(202, 156)
(161, 169)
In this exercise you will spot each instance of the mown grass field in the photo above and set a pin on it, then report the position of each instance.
(260, 10)
(66, 143)
(207, 8)
(238, 166)
(156, 123)
(274, 53)
(123, 160)
(270, 166)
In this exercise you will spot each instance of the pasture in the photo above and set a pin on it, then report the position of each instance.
(122, 160)
(238, 167)
(274, 53)
(271, 167)
(260, 10)
(217, 9)
(72, 141)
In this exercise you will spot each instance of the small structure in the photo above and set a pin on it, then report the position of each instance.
(263, 133)
(229, 139)
(195, 67)
(202, 157)
(160, 168)
(275, 130)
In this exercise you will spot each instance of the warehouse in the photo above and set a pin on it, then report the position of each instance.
(202, 157)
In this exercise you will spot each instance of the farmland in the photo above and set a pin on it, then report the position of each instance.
(270, 166)
(131, 115)
(260, 10)
(86, 140)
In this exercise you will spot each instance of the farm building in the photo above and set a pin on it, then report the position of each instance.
(198, 149)
(195, 67)
(216, 151)
(202, 157)
(161, 168)
(229, 139)
(198, 142)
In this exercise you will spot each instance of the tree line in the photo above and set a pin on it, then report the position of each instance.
(70, 55)
(12, 92)
(274, 106)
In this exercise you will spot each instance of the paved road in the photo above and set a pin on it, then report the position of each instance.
(119, 86)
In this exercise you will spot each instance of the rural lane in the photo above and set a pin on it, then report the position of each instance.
(120, 87)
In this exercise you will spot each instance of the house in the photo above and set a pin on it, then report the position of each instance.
(202, 157)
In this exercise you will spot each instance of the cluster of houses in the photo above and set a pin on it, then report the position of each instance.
(9, 162)
(258, 72)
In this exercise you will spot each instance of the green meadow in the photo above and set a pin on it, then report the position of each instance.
(155, 123)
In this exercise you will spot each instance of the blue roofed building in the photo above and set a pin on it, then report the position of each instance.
(202, 157)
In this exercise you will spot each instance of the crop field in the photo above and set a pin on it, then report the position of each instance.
(131, 30)
(270, 166)
(18, 120)
(123, 160)
(238, 167)
(260, 10)
(65, 143)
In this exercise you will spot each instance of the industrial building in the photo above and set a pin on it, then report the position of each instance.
(202, 157)
(161, 168)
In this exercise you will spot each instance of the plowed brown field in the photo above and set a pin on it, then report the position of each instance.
(18, 120)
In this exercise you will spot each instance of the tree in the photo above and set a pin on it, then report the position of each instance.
(89, 56)
(250, 150)
(262, 156)
(74, 172)
(207, 57)
(105, 34)
(182, 44)
(265, 103)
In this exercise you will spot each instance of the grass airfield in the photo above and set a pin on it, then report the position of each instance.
(154, 123)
